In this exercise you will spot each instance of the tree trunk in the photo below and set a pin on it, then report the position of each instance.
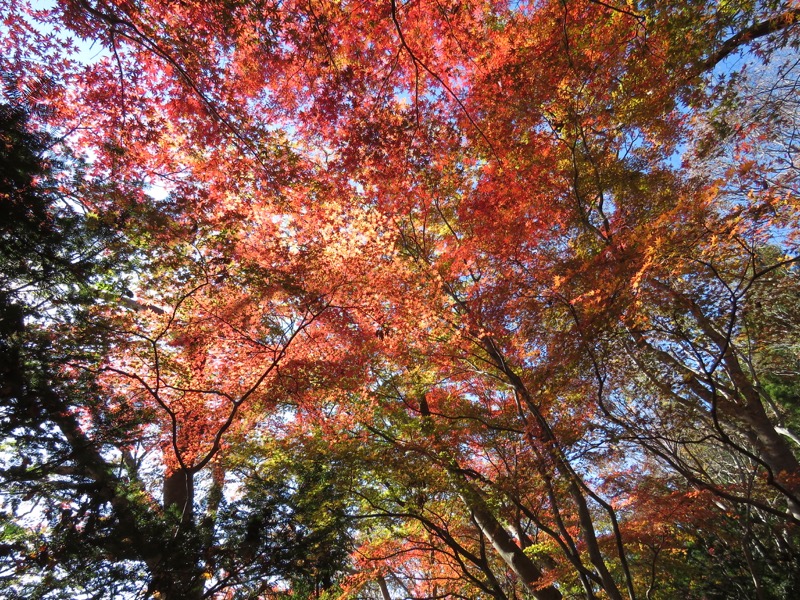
(179, 492)
(549, 444)
(384, 588)
(503, 543)
(179, 575)
(774, 451)
(772, 448)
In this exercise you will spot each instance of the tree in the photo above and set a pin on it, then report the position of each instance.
(455, 233)
(52, 267)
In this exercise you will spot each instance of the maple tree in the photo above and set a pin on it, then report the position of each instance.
(428, 298)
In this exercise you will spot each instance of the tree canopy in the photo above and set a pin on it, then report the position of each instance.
(425, 299)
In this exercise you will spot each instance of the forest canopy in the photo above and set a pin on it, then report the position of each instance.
(399, 300)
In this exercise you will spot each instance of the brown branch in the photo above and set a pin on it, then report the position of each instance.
(745, 36)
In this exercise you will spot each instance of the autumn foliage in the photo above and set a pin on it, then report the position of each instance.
(432, 299)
